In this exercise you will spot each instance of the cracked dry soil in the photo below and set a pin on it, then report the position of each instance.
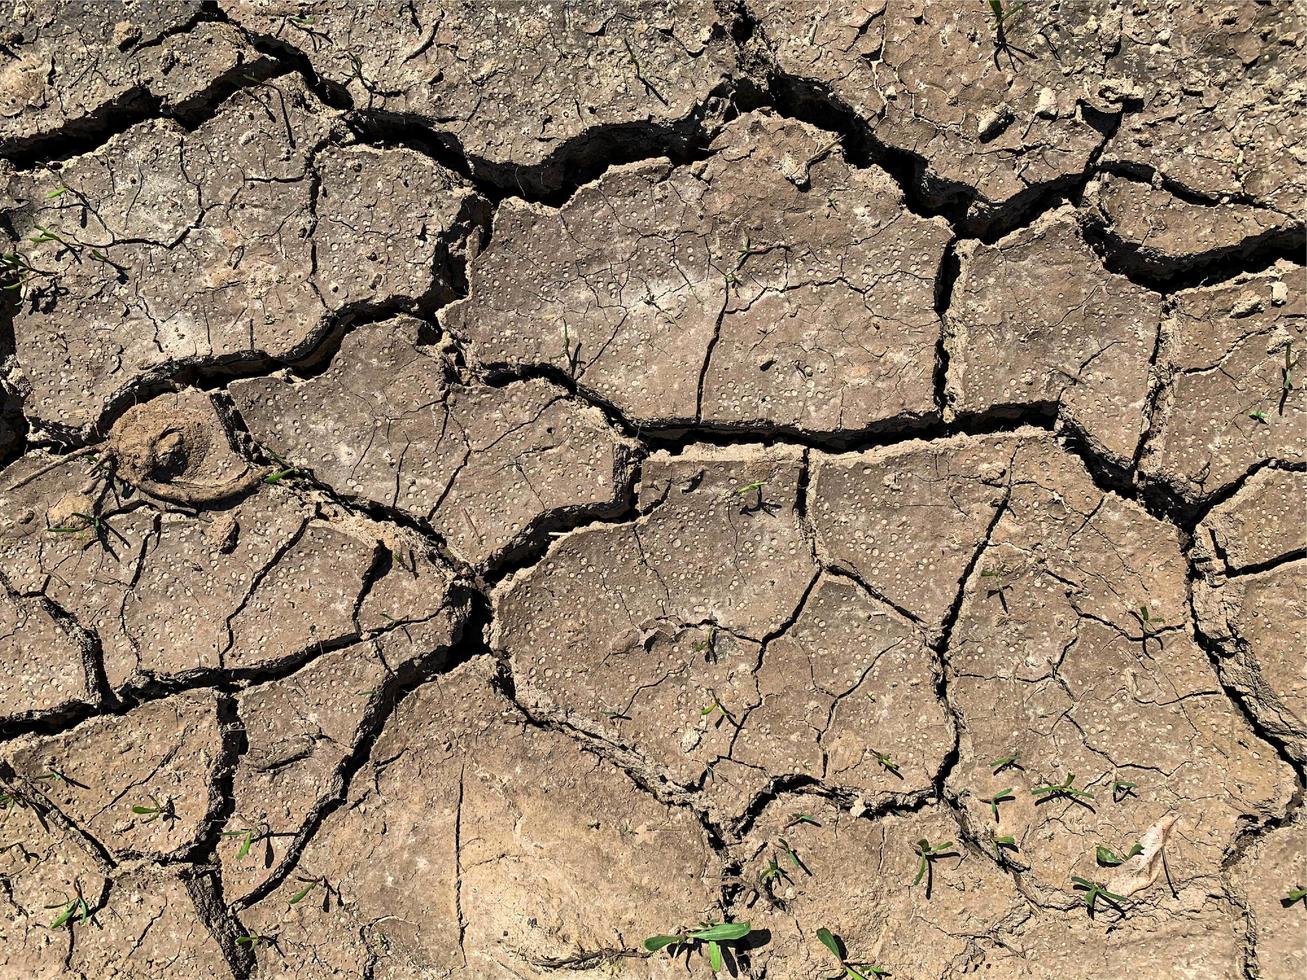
(483, 483)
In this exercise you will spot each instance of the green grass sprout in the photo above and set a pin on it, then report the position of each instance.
(998, 585)
(709, 934)
(888, 764)
(1064, 790)
(1002, 796)
(927, 855)
(1002, 844)
(1107, 858)
(1012, 761)
(1094, 891)
(69, 910)
(717, 708)
(15, 270)
(156, 810)
(1121, 790)
(247, 840)
(853, 969)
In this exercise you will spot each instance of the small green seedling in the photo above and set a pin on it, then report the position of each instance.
(1003, 19)
(1295, 895)
(44, 234)
(1002, 796)
(799, 818)
(12, 799)
(1110, 859)
(853, 970)
(1001, 15)
(276, 476)
(1065, 790)
(1002, 844)
(708, 646)
(743, 252)
(756, 503)
(156, 810)
(15, 270)
(1012, 761)
(95, 527)
(718, 709)
(773, 872)
(310, 884)
(1286, 374)
(1149, 623)
(571, 354)
(356, 71)
(1259, 417)
(78, 522)
(1094, 891)
(247, 840)
(927, 855)
(888, 764)
(1121, 789)
(711, 934)
(997, 585)
(252, 940)
(788, 851)
(77, 909)
(53, 776)
(283, 470)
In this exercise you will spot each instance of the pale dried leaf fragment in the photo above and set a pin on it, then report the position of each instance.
(1142, 870)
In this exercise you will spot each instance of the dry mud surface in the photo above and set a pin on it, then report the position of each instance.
(484, 483)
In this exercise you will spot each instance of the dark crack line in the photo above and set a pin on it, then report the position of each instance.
(468, 641)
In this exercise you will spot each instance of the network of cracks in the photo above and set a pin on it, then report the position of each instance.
(483, 487)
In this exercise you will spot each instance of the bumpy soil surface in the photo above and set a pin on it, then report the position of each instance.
(483, 483)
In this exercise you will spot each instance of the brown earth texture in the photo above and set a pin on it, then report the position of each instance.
(485, 484)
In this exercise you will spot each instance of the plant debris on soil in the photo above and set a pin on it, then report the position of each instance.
(648, 488)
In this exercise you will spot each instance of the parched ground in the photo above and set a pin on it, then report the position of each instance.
(483, 483)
